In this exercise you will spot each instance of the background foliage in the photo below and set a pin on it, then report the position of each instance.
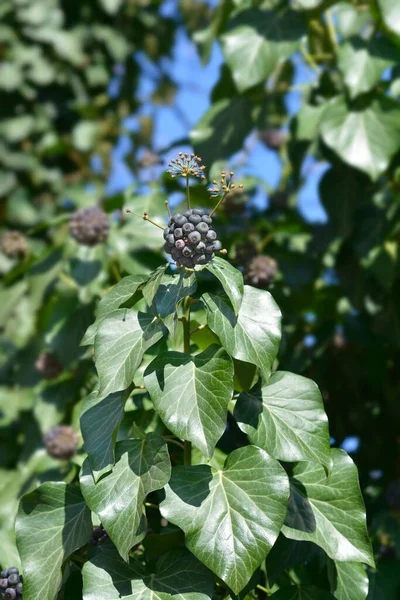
(72, 93)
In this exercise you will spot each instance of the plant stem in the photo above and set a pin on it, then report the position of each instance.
(170, 441)
(187, 452)
(218, 204)
(187, 191)
(263, 589)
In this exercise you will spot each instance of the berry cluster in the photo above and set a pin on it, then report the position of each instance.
(11, 584)
(14, 244)
(89, 226)
(61, 442)
(190, 238)
(48, 366)
(99, 536)
(261, 271)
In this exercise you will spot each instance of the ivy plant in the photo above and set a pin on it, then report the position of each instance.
(179, 515)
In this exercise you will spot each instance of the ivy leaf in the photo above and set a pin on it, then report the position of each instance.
(52, 522)
(121, 340)
(306, 592)
(255, 334)
(223, 129)
(176, 574)
(141, 466)
(230, 278)
(366, 138)
(286, 418)
(287, 554)
(363, 62)
(329, 511)
(257, 40)
(349, 581)
(153, 282)
(390, 10)
(122, 291)
(171, 290)
(191, 394)
(99, 421)
(243, 507)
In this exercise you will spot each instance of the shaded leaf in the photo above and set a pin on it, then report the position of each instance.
(255, 334)
(287, 554)
(141, 466)
(306, 592)
(191, 394)
(121, 340)
(231, 280)
(52, 522)
(153, 282)
(329, 511)
(171, 290)
(349, 581)
(243, 506)
(176, 574)
(286, 418)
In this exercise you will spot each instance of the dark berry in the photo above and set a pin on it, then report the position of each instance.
(209, 248)
(170, 239)
(12, 570)
(48, 366)
(168, 247)
(175, 253)
(188, 251)
(3, 582)
(194, 237)
(4, 573)
(89, 226)
(188, 227)
(61, 442)
(211, 235)
(194, 219)
(200, 248)
(202, 227)
(19, 588)
(13, 579)
(187, 213)
(179, 244)
(206, 219)
(198, 211)
(273, 138)
(178, 233)
(166, 232)
(180, 220)
(199, 259)
(10, 594)
(186, 260)
(14, 244)
(217, 246)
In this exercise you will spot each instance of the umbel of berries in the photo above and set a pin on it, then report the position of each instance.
(261, 271)
(14, 244)
(61, 442)
(11, 585)
(190, 238)
(89, 226)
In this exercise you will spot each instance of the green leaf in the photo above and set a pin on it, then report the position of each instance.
(122, 291)
(306, 4)
(223, 129)
(287, 554)
(306, 592)
(111, 6)
(366, 138)
(257, 41)
(349, 581)
(121, 340)
(329, 511)
(390, 10)
(176, 574)
(286, 418)
(362, 62)
(52, 522)
(153, 282)
(242, 506)
(100, 419)
(171, 290)
(255, 334)
(230, 278)
(141, 466)
(191, 394)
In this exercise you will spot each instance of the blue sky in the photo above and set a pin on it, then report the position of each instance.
(195, 82)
